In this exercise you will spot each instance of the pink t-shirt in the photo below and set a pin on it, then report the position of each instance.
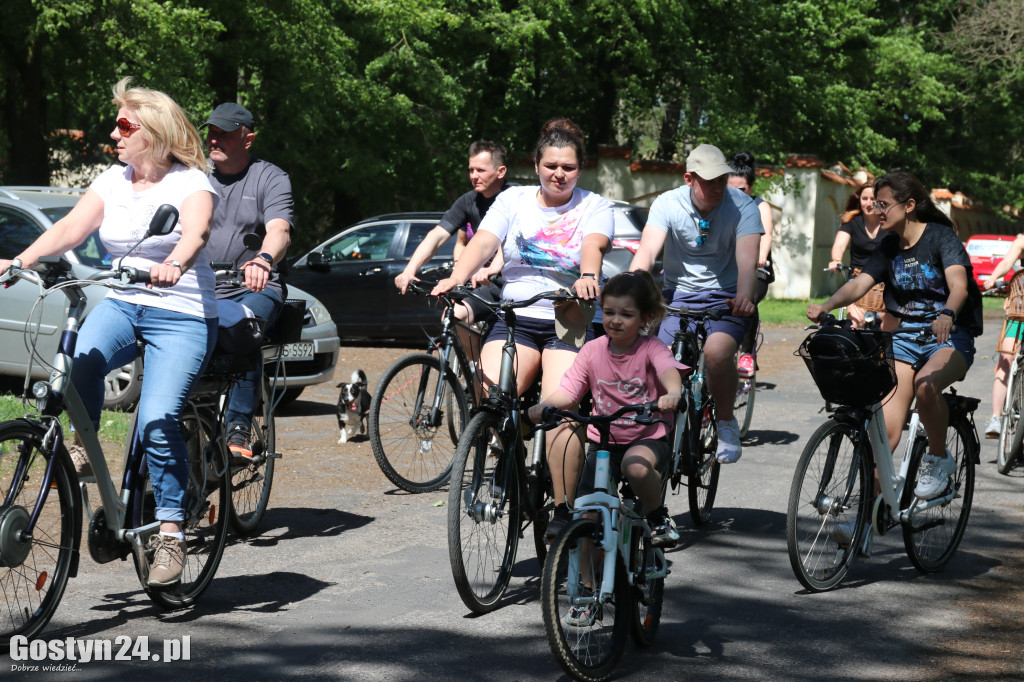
(617, 380)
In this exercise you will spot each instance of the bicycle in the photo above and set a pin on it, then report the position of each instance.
(497, 488)
(746, 389)
(422, 404)
(251, 480)
(603, 574)
(41, 514)
(1011, 433)
(831, 509)
(695, 436)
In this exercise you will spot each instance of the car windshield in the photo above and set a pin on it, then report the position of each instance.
(91, 252)
(986, 248)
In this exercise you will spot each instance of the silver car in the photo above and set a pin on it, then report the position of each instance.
(25, 212)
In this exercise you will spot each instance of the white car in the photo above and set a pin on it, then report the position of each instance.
(25, 212)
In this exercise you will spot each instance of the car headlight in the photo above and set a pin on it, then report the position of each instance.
(319, 313)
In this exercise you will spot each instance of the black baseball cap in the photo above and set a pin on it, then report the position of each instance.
(229, 116)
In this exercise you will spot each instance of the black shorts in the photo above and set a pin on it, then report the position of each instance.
(534, 333)
(659, 446)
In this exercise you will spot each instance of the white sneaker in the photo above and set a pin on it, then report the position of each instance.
(729, 448)
(994, 428)
(933, 476)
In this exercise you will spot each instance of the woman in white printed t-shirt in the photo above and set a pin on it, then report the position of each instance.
(552, 235)
(164, 164)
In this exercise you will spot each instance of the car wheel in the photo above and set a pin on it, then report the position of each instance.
(122, 386)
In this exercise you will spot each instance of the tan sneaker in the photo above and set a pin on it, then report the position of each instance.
(168, 560)
(81, 460)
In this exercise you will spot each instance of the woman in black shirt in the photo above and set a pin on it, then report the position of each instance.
(928, 284)
(860, 231)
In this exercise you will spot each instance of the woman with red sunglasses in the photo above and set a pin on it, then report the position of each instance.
(164, 163)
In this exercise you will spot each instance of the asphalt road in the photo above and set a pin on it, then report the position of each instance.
(350, 580)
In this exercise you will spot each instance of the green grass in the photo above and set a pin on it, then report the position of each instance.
(113, 425)
(790, 312)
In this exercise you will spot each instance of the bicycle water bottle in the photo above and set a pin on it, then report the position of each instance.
(602, 475)
(698, 389)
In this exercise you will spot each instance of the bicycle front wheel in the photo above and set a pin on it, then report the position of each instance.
(207, 503)
(702, 484)
(413, 444)
(827, 507)
(647, 593)
(484, 512)
(587, 634)
(1012, 435)
(33, 574)
(251, 483)
(932, 536)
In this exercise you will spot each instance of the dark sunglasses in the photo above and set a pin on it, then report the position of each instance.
(704, 226)
(125, 127)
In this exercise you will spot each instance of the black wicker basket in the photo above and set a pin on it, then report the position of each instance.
(850, 367)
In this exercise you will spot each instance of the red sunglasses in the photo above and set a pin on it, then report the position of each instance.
(126, 128)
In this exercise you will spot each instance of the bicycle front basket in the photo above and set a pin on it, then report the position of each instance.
(850, 367)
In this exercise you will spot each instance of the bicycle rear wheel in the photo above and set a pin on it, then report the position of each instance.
(647, 593)
(746, 391)
(1012, 435)
(207, 503)
(827, 509)
(251, 483)
(33, 574)
(484, 512)
(586, 635)
(932, 536)
(414, 451)
(702, 484)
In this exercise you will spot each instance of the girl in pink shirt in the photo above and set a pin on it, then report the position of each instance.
(627, 367)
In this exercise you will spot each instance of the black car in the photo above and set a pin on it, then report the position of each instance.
(353, 273)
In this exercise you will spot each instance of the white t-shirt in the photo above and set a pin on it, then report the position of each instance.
(542, 245)
(126, 216)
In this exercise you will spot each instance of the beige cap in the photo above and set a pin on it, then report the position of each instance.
(708, 162)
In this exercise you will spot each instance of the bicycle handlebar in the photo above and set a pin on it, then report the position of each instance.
(700, 314)
(602, 422)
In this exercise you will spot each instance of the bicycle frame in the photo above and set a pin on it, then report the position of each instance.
(618, 521)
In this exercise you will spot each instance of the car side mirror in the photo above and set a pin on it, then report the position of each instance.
(317, 263)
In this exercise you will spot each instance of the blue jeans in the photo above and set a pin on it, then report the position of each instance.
(177, 348)
(266, 304)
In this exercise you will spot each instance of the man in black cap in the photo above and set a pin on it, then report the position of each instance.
(255, 197)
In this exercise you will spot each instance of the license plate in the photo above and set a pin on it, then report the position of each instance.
(303, 350)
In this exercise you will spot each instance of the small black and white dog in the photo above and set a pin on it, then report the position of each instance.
(353, 406)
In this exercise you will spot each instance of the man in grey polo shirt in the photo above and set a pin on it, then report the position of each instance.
(255, 197)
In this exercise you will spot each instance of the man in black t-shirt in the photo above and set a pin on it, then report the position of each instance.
(487, 174)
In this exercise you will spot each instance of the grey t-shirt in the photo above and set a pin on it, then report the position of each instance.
(248, 201)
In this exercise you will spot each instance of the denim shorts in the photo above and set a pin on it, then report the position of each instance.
(905, 349)
(534, 333)
(659, 446)
(736, 327)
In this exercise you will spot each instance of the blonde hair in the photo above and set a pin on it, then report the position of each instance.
(170, 134)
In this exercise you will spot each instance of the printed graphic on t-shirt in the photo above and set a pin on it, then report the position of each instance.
(909, 274)
(628, 392)
(556, 246)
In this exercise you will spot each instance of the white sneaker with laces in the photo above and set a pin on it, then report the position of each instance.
(729, 448)
(933, 476)
(994, 427)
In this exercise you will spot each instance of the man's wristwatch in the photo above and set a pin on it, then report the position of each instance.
(267, 257)
(588, 275)
(947, 311)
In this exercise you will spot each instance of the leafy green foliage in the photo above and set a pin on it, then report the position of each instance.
(371, 104)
